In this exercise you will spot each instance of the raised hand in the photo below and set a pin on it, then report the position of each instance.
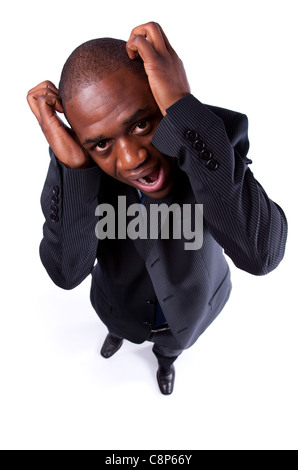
(45, 103)
(166, 74)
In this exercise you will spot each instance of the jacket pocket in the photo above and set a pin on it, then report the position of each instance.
(222, 292)
(100, 303)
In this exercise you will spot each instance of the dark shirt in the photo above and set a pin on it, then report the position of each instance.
(159, 316)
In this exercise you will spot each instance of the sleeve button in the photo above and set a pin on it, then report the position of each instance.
(54, 209)
(206, 155)
(55, 200)
(56, 190)
(192, 136)
(212, 164)
(54, 218)
(199, 145)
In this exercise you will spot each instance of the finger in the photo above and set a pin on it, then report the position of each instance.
(52, 127)
(35, 93)
(140, 45)
(34, 107)
(46, 84)
(166, 41)
(41, 91)
(153, 34)
(45, 106)
(48, 105)
(34, 96)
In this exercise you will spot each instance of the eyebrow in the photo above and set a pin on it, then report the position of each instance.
(139, 113)
(136, 115)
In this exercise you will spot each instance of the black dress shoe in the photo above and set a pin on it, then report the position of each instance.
(111, 346)
(166, 380)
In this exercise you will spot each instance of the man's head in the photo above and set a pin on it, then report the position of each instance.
(109, 104)
(93, 61)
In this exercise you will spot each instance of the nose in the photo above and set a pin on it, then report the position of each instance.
(130, 155)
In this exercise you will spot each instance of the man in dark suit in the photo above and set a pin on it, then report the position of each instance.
(138, 133)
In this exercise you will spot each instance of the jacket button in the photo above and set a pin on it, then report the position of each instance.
(56, 190)
(54, 218)
(150, 302)
(192, 136)
(212, 164)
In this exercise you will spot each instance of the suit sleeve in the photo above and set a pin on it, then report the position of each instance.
(69, 245)
(211, 145)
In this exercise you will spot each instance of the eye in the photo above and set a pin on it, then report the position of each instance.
(142, 124)
(101, 146)
(141, 127)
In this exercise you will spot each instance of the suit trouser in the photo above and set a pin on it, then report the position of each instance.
(166, 348)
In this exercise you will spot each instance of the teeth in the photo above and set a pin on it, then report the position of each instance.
(143, 181)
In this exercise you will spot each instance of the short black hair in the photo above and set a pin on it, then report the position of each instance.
(93, 61)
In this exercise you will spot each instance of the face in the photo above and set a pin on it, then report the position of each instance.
(115, 120)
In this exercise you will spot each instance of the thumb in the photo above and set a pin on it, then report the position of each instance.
(48, 106)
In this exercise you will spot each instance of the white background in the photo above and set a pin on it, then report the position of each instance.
(237, 387)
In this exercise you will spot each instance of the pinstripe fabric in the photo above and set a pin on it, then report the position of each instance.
(68, 249)
(192, 287)
(240, 216)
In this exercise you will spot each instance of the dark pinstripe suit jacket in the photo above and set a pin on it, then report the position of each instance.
(192, 287)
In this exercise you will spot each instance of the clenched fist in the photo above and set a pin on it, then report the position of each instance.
(165, 71)
(45, 103)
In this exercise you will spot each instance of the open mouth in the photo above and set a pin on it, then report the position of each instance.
(150, 179)
(151, 182)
